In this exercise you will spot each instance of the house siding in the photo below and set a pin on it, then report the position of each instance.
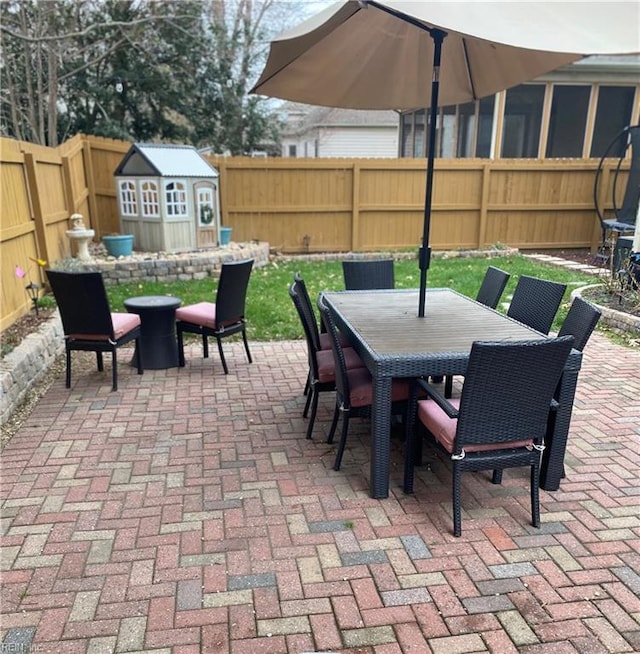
(345, 142)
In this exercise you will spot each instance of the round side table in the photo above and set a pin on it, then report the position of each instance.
(158, 344)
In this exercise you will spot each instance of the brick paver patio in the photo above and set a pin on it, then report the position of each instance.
(186, 513)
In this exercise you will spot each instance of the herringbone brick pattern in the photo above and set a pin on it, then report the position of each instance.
(186, 513)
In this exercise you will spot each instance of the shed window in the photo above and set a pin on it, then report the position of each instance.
(206, 211)
(149, 199)
(128, 198)
(175, 195)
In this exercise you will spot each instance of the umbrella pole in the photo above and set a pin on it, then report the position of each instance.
(424, 254)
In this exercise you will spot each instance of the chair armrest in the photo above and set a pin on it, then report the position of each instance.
(438, 398)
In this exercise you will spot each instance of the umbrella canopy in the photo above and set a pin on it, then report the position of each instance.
(393, 54)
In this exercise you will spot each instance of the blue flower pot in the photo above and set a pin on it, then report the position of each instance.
(118, 245)
(225, 235)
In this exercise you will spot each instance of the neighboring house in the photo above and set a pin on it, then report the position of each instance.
(311, 131)
(573, 112)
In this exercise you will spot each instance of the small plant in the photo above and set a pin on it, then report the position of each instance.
(624, 283)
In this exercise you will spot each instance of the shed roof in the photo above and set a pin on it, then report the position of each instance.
(164, 160)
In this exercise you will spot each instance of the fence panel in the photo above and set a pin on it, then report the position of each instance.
(51, 210)
(17, 235)
(102, 157)
(73, 153)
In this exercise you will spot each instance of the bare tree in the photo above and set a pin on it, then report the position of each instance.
(138, 69)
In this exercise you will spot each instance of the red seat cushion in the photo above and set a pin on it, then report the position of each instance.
(202, 313)
(361, 388)
(444, 428)
(123, 323)
(327, 367)
(325, 341)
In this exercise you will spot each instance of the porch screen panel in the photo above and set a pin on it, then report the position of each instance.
(522, 121)
(613, 114)
(568, 121)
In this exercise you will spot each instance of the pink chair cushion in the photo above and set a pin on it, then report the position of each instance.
(123, 323)
(325, 341)
(361, 388)
(327, 367)
(444, 428)
(202, 313)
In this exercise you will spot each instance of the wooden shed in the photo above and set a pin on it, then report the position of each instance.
(168, 198)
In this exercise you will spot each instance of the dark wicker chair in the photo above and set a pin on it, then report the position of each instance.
(489, 294)
(221, 319)
(320, 336)
(496, 425)
(322, 374)
(87, 321)
(493, 285)
(354, 388)
(580, 322)
(535, 302)
(368, 274)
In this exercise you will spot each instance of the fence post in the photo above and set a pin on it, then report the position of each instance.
(354, 246)
(91, 187)
(36, 204)
(484, 204)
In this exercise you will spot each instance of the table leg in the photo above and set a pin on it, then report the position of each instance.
(552, 468)
(380, 439)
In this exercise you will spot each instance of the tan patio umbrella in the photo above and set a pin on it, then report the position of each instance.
(366, 54)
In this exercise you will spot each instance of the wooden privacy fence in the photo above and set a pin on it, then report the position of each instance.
(366, 205)
(301, 205)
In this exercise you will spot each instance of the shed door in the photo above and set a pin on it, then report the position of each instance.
(207, 213)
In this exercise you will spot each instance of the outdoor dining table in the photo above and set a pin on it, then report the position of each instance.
(385, 330)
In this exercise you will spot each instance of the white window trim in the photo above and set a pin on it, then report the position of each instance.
(210, 201)
(181, 204)
(145, 204)
(128, 197)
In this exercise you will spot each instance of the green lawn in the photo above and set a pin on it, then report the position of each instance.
(270, 312)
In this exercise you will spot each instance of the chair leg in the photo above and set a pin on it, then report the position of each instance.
(448, 386)
(246, 345)
(205, 346)
(180, 348)
(114, 369)
(68, 380)
(334, 424)
(497, 477)
(99, 361)
(343, 441)
(139, 357)
(457, 501)
(535, 495)
(307, 404)
(409, 455)
(224, 363)
(314, 409)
